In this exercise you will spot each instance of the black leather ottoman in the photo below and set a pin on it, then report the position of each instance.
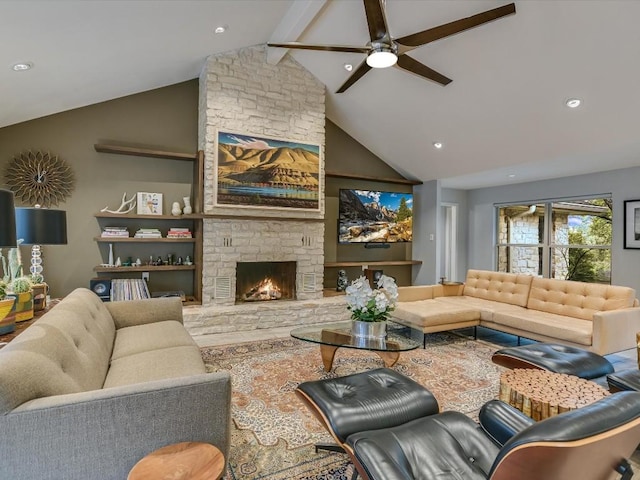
(555, 358)
(627, 380)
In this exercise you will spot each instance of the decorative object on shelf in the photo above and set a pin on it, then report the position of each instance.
(187, 260)
(125, 206)
(342, 281)
(175, 209)
(20, 290)
(373, 276)
(289, 180)
(111, 255)
(149, 203)
(40, 226)
(187, 206)
(369, 306)
(7, 219)
(632, 224)
(40, 178)
(118, 262)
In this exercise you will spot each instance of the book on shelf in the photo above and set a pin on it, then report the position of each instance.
(179, 233)
(148, 233)
(129, 289)
(115, 232)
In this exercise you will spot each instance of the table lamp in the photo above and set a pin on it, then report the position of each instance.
(7, 219)
(40, 226)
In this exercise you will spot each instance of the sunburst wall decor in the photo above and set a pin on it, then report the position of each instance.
(40, 178)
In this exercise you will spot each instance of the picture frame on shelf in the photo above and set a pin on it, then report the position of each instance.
(632, 224)
(266, 172)
(149, 203)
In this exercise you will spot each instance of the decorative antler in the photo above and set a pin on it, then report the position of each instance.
(125, 207)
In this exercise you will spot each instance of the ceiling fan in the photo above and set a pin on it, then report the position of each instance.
(384, 51)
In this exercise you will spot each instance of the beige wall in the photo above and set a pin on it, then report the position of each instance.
(165, 117)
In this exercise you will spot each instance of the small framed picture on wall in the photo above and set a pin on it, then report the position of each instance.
(149, 203)
(632, 224)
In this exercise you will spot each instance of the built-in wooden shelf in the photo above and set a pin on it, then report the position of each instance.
(144, 268)
(143, 240)
(130, 216)
(354, 176)
(372, 263)
(144, 152)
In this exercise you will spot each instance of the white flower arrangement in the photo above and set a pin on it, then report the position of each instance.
(368, 305)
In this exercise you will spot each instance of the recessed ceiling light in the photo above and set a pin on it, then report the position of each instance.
(221, 29)
(348, 67)
(438, 145)
(573, 102)
(21, 67)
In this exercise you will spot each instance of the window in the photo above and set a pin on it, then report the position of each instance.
(567, 239)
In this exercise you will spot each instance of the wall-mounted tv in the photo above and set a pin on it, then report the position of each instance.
(368, 216)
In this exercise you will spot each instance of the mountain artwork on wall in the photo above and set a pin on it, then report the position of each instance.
(260, 172)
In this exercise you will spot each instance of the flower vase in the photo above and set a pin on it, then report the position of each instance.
(372, 330)
(7, 323)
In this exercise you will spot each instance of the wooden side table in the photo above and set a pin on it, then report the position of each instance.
(541, 394)
(180, 461)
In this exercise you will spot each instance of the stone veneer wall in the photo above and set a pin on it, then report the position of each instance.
(240, 92)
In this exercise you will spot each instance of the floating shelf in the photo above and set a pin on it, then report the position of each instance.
(144, 268)
(373, 264)
(145, 152)
(354, 176)
(143, 240)
(133, 216)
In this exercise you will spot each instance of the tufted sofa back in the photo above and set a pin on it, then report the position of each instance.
(497, 286)
(66, 351)
(577, 299)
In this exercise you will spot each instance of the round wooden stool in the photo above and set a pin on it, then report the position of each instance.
(181, 461)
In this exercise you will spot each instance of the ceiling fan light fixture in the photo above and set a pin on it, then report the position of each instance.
(382, 57)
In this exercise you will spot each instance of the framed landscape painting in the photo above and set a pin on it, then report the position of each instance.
(262, 172)
(632, 224)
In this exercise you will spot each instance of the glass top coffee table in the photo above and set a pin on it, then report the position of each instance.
(331, 336)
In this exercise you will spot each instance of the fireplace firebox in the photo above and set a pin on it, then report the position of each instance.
(265, 281)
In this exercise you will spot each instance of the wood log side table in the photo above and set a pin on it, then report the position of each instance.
(181, 461)
(541, 394)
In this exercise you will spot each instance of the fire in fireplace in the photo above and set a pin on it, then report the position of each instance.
(264, 281)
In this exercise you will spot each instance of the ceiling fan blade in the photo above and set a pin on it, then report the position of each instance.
(442, 31)
(376, 19)
(355, 76)
(327, 48)
(407, 63)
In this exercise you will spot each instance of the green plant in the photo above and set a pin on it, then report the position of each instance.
(20, 285)
(3, 290)
(36, 278)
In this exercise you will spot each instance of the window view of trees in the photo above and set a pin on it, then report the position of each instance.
(568, 240)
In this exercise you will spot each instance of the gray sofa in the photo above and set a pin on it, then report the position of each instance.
(92, 387)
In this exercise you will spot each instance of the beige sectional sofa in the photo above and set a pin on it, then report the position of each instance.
(600, 318)
(92, 387)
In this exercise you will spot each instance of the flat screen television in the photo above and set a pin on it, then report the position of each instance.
(368, 216)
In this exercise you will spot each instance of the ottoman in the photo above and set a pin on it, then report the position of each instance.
(554, 358)
(627, 380)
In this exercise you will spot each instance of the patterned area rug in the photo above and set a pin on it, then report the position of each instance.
(273, 433)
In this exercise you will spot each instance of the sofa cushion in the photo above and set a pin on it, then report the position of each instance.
(153, 336)
(425, 313)
(570, 329)
(155, 365)
(486, 308)
(577, 299)
(497, 286)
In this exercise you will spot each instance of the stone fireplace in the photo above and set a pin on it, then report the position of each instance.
(240, 92)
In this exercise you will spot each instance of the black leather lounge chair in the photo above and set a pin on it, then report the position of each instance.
(391, 428)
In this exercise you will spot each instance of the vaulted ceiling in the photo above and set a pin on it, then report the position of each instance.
(503, 119)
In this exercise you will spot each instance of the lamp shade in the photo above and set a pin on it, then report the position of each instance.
(41, 226)
(7, 219)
